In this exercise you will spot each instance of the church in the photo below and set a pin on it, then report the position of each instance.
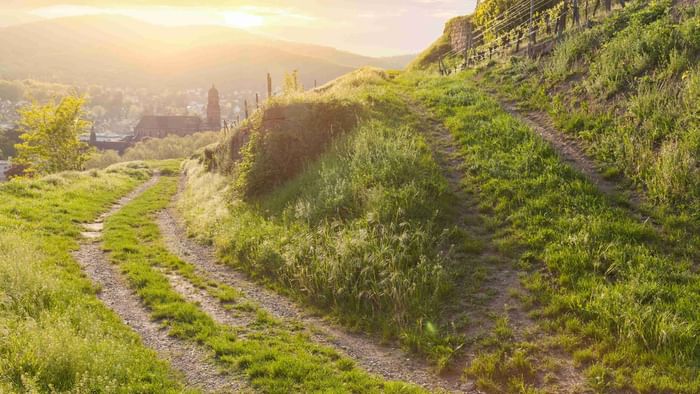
(151, 126)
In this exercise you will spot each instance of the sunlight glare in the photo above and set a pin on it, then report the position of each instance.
(242, 19)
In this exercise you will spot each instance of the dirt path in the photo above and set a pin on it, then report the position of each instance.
(496, 295)
(389, 362)
(493, 296)
(186, 358)
(570, 151)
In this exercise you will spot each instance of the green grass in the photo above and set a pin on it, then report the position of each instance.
(363, 232)
(628, 88)
(55, 336)
(277, 358)
(598, 273)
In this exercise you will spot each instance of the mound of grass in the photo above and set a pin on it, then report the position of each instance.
(610, 282)
(362, 232)
(55, 335)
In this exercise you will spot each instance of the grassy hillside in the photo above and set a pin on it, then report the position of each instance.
(352, 213)
(56, 335)
(341, 204)
(612, 291)
(618, 294)
(628, 89)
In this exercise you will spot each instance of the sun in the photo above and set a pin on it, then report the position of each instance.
(242, 19)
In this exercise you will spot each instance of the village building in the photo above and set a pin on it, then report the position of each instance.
(120, 146)
(161, 126)
(155, 126)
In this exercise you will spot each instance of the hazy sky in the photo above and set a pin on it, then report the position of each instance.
(372, 27)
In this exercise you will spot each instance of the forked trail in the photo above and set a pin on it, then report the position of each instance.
(389, 362)
(193, 363)
(495, 296)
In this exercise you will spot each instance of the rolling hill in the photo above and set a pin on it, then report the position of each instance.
(120, 51)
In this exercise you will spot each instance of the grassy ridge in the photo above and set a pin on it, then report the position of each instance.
(275, 357)
(54, 333)
(619, 295)
(362, 232)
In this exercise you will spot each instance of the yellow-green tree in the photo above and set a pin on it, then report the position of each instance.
(50, 135)
(292, 83)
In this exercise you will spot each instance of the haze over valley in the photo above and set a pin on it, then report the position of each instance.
(118, 51)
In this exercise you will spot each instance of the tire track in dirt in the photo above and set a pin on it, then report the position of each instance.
(389, 362)
(190, 361)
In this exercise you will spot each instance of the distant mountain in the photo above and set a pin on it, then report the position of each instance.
(120, 51)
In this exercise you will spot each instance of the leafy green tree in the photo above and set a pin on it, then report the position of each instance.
(51, 137)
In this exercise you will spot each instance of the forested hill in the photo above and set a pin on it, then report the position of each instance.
(119, 51)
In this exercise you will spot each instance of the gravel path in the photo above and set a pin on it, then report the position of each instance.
(184, 357)
(389, 362)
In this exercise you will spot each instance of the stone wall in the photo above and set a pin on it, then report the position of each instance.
(459, 30)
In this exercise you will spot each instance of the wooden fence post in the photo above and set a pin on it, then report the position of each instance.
(269, 86)
(531, 36)
(245, 106)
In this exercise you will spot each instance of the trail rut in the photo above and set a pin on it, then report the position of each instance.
(389, 362)
(494, 294)
(501, 276)
(570, 151)
(186, 358)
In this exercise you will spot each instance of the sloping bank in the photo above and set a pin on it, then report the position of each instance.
(335, 200)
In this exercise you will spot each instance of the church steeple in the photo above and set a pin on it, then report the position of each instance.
(214, 110)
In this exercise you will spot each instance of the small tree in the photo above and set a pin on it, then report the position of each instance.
(51, 137)
(292, 83)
